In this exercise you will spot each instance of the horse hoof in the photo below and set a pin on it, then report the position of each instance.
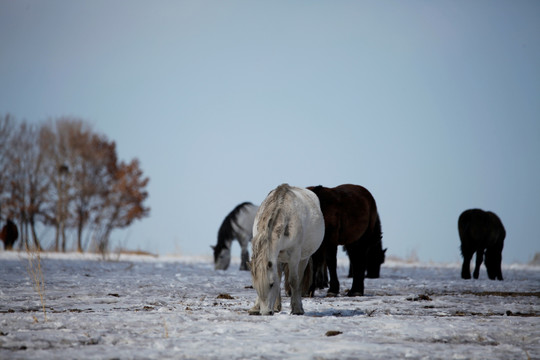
(356, 293)
(254, 312)
(331, 294)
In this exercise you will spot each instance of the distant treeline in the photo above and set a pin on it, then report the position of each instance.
(62, 175)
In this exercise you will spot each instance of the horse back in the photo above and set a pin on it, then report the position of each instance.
(349, 211)
(289, 217)
(227, 229)
(480, 229)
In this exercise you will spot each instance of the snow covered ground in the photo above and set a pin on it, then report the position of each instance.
(140, 307)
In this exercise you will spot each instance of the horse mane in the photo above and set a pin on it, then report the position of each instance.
(272, 211)
(226, 230)
(260, 254)
(273, 208)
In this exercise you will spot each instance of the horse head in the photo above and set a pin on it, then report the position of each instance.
(266, 282)
(374, 261)
(222, 256)
(493, 264)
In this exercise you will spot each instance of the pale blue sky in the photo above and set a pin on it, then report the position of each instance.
(434, 106)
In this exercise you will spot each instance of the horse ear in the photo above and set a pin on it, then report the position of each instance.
(384, 251)
(213, 247)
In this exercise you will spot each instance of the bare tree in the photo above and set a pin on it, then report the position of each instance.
(55, 148)
(65, 175)
(6, 133)
(124, 202)
(26, 185)
(93, 169)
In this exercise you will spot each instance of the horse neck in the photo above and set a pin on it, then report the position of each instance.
(228, 230)
(226, 245)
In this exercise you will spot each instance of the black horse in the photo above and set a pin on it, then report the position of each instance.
(481, 231)
(9, 234)
(351, 219)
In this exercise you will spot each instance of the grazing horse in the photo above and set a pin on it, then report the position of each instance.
(288, 229)
(9, 234)
(238, 224)
(481, 231)
(351, 219)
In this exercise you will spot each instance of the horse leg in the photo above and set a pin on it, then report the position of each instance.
(277, 305)
(287, 286)
(466, 267)
(331, 261)
(497, 265)
(479, 260)
(499, 272)
(357, 253)
(244, 242)
(256, 309)
(350, 274)
(295, 280)
(318, 266)
(324, 275)
(307, 278)
(493, 263)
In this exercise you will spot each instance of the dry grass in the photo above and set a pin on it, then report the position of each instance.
(225, 296)
(35, 272)
(166, 328)
(122, 251)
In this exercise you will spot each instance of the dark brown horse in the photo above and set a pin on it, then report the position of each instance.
(351, 219)
(9, 234)
(481, 231)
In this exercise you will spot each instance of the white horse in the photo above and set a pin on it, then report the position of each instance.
(288, 229)
(238, 224)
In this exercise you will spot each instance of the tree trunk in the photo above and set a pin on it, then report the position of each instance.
(79, 231)
(57, 238)
(63, 233)
(34, 234)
